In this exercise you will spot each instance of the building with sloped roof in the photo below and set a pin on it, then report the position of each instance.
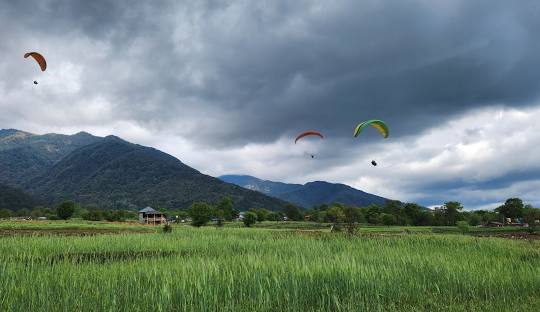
(151, 216)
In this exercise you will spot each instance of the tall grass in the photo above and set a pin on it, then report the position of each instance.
(227, 269)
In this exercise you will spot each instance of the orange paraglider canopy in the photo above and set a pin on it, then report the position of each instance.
(39, 59)
(308, 133)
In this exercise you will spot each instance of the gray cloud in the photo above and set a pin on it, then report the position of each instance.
(221, 76)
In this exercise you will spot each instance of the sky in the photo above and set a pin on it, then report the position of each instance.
(225, 86)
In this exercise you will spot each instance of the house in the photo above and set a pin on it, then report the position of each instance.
(495, 224)
(151, 216)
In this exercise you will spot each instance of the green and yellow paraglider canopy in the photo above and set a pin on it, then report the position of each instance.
(375, 123)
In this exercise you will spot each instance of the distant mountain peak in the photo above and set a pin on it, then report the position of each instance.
(4, 133)
(308, 195)
(111, 173)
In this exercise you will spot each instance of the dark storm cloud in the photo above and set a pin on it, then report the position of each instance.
(259, 70)
(238, 79)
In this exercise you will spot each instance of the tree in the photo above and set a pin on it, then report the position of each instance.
(335, 214)
(388, 219)
(414, 213)
(5, 213)
(93, 215)
(262, 214)
(373, 214)
(463, 226)
(225, 206)
(530, 215)
(249, 218)
(292, 212)
(274, 216)
(424, 218)
(115, 215)
(65, 210)
(472, 218)
(451, 212)
(351, 217)
(23, 212)
(200, 213)
(512, 208)
(37, 212)
(220, 216)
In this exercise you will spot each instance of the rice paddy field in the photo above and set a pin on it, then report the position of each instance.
(260, 269)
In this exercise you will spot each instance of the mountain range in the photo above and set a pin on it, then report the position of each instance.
(309, 194)
(110, 173)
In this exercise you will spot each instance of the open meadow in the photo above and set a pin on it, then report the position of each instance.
(138, 268)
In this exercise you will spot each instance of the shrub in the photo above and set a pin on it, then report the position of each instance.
(200, 213)
(250, 218)
(463, 226)
(93, 215)
(65, 210)
(167, 228)
(5, 213)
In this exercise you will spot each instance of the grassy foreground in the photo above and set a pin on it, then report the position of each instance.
(232, 269)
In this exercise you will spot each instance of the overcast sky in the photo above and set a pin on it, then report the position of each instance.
(226, 85)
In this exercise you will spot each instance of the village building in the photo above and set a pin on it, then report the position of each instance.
(151, 216)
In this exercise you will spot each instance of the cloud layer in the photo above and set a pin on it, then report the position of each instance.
(224, 85)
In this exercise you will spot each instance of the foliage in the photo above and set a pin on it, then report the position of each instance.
(292, 212)
(249, 218)
(14, 199)
(463, 226)
(335, 214)
(5, 213)
(512, 208)
(93, 215)
(65, 210)
(274, 216)
(200, 213)
(116, 174)
(167, 228)
(225, 208)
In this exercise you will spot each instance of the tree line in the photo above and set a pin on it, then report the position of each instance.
(390, 213)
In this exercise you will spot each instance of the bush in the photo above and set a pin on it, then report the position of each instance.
(93, 215)
(388, 219)
(200, 213)
(65, 210)
(463, 226)
(249, 218)
(5, 213)
(167, 228)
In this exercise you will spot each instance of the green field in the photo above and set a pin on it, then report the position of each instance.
(240, 269)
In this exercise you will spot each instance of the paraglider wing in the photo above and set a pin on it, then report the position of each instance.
(377, 124)
(39, 59)
(308, 133)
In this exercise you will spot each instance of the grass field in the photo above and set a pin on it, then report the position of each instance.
(238, 269)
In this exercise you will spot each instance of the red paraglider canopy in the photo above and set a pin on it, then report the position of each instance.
(39, 59)
(308, 133)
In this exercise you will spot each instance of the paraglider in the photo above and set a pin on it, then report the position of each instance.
(39, 59)
(375, 123)
(308, 133)
(374, 163)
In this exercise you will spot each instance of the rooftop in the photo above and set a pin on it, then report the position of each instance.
(149, 210)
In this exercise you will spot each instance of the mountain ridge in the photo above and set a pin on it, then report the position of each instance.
(309, 194)
(111, 173)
